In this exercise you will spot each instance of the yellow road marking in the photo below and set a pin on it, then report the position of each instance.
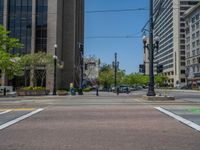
(18, 109)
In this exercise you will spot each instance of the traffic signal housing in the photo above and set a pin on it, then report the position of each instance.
(159, 69)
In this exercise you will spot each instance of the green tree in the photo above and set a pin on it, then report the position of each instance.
(9, 63)
(136, 79)
(106, 76)
(38, 64)
(160, 80)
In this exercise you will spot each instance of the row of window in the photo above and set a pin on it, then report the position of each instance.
(193, 61)
(1, 11)
(195, 68)
(20, 23)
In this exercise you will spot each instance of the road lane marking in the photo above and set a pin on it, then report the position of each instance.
(5, 125)
(19, 109)
(181, 119)
(4, 112)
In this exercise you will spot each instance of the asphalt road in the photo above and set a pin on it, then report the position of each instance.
(107, 122)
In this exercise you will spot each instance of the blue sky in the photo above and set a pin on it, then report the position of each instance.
(130, 50)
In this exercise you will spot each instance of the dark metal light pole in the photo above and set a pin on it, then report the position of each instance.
(55, 68)
(151, 91)
(81, 48)
(115, 65)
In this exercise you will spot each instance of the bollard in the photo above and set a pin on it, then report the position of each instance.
(4, 91)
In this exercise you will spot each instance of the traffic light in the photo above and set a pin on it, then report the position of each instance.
(159, 69)
(142, 68)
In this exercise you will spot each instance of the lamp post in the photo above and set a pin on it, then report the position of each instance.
(115, 66)
(81, 48)
(151, 46)
(55, 69)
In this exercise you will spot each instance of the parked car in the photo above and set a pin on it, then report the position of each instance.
(123, 89)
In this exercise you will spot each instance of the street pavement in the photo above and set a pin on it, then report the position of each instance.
(107, 122)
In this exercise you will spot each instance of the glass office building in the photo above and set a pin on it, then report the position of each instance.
(40, 24)
(1, 11)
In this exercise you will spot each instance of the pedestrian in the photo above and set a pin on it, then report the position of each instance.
(97, 90)
(117, 90)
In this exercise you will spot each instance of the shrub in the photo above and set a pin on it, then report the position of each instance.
(87, 89)
(31, 88)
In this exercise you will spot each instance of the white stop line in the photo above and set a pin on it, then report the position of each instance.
(4, 112)
(181, 119)
(7, 124)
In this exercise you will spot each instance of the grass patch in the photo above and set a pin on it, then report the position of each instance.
(195, 110)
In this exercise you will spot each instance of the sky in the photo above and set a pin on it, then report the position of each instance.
(130, 23)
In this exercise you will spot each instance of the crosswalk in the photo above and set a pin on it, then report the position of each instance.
(10, 117)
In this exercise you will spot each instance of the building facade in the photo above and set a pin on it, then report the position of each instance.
(169, 25)
(192, 18)
(40, 24)
(91, 69)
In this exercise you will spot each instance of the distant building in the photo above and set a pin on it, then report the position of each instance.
(40, 24)
(170, 27)
(91, 69)
(146, 59)
(192, 18)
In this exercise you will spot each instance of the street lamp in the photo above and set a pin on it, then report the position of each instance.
(55, 64)
(151, 46)
(81, 49)
(116, 66)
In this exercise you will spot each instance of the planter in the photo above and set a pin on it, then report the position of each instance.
(62, 93)
(32, 92)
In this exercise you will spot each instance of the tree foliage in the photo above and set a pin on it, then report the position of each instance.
(9, 63)
(38, 63)
(106, 78)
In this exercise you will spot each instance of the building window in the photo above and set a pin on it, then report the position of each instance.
(20, 23)
(198, 51)
(193, 44)
(193, 36)
(197, 34)
(197, 16)
(194, 61)
(188, 54)
(197, 25)
(188, 62)
(182, 80)
(182, 63)
(193, 27)
(193, 53)
(198, 42)
(193, 19)
(182, 71)
(41, 25)
(1, 11)
(182, 57)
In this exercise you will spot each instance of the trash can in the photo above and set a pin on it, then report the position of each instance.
(72, 91)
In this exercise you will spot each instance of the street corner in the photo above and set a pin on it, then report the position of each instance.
(11, 116)
(188, 115)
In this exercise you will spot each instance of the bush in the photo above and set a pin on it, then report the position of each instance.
(87, 89)
(31, 88)
(62, 92)
(63, 89)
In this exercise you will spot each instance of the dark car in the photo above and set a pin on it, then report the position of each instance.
(124, 89)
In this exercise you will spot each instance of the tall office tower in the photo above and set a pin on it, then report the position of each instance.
(192, 28)
(40, 24)
(170, 27)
